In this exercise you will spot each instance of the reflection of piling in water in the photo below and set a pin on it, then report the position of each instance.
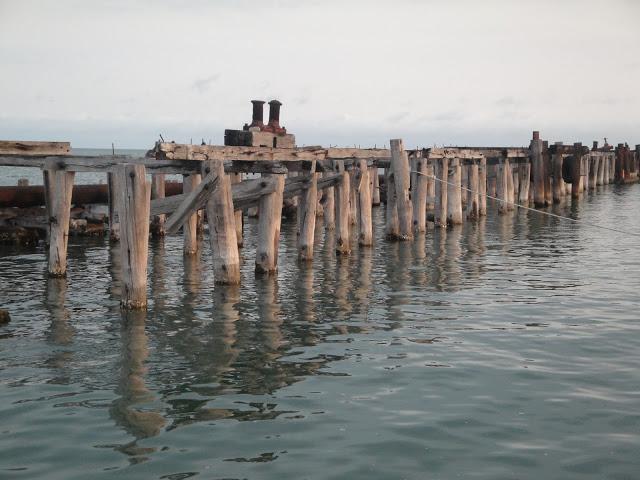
(127, 411)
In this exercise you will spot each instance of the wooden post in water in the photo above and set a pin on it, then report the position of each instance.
(473, 194)
(400, 167)
(510, 194)
(353, 199)
(576, 173)
(537, 167)
(270, 208)
(501, 186)
(365, 223)
(482, 187)
(558, 182)
(157, 191)
(593, 171)
(375, 191)
(431, 186)
(392, 227)
(58, 191)
(134, 201)
(329, 207)
(548, 193)
(307, 204)
(419, 195)
(454, 194)
(112, 192)
(237, 178)
(464, 182)
(222, 228)
(492, 179)
(600, 171)
(342, 196)
(190, 227)
(524, 173)
(443, 188)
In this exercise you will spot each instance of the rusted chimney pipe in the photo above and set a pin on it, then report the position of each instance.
(257, 120)
(274, 114)
(536, 135)
(595, 145)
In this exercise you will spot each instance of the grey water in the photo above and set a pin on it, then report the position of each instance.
(503, 349)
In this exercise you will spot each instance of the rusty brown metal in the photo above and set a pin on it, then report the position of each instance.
(536, 135)
(33, 196)
(257, 119)
(274, 118)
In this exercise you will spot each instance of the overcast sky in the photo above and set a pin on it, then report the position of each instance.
(459, 72)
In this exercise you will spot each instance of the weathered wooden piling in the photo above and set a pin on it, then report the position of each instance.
(375, 188)
(329, 207)
(454, 194)
(307, 204)
(365, 223)
(419, 194)
(222, 228)
(235, 179)
(270, 207)
(133, 206)
(482, 187)
(576, 167)
(537, 170)
(112, 189)
(157, 191)
(392, 225)
(558, 182)
(431, 186)
(502, 189)
(473, 194)
(524, 174)
(546, 157)
(353, 199)
(442, 194)
(190, 227)
(342, 196)
(510, 193)
(58, 190)
(401, 173)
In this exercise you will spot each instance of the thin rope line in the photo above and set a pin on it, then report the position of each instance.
(561, 217)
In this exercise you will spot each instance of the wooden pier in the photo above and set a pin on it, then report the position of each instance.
(448, 186)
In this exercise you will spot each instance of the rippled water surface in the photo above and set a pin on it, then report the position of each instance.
(503, 349)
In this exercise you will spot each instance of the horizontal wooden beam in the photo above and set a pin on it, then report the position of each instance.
(16, 147)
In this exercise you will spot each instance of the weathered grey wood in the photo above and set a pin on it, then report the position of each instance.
(546, 158)
(342, 195)
(482, 187)
(464, 183)
(222, 229)
(606, 176)
(375, 190)
(112, 192)
(443, 188)
(419, 195)
(431, 187)
(524, 174)
(492, 175)
(158, 191)
(307, 204)
(235, 179)
(134, 198)
(365, 223)
(600, 170)
(392, 226)
(105, 163)
(537, 171)
(19, 147)
(60, 188)
(270, 207)
(400, 162)
(473, 195)
(501, 186)
(329, 206)
(353, 198)
(190, 227)
(593, 171)
(576, 166)
(511, 198)
(454, 194)
(192, 202)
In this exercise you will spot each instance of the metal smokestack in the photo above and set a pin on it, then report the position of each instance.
(274, 114)
(257, 119)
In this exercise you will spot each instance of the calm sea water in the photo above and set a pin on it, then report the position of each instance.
(506, 349)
